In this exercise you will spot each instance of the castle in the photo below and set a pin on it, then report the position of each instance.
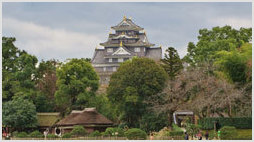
(129, 40)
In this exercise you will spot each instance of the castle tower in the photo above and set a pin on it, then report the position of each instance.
(129, 40)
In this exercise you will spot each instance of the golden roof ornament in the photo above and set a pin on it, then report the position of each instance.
(160, 46)
(124, 18)
(130, 18)
(122, 33)
(121, 44)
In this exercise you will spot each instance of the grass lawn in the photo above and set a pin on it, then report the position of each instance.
(243, 134)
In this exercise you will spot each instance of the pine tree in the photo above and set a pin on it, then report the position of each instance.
(172, 62)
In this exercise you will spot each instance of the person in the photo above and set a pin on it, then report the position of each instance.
(186, 137)
(151, 136)
(206, 135)
(199, 135)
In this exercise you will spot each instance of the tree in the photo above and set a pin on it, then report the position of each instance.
(46, 84)
(18, 71)
(189, 58)
(218, 39)
(19, 114)
(197, 91)
(172, 62)
(134, 81)
(234, 65)
(76, 82)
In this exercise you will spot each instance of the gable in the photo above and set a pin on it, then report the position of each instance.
(121, 51)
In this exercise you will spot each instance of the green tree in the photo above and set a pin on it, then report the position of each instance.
(18, 70)
(218, 39)
(46, 84)
(172, 62)
(76, 82)
(19, 114)
(189, 58)
(234, 65)
(134, 81)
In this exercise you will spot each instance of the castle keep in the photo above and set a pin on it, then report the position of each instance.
(129, 40)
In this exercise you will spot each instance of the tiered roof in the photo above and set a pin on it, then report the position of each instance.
(127, 24)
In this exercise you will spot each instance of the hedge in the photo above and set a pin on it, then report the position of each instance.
(237, 122)
(135, 134)
(176, 133)
(228, 133)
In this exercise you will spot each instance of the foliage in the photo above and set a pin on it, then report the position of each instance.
(134, 81)
(233, 65)
(163, 132)
(46, 84)
(176, 133)
(218, 39)
(135, 134)
(19, 113)
(95, 134)
(67, 135)
(176, 128)
(36, 134)
(22, 135)
(52, 136)
(192, 129)
(228, 133)
(172, 62)
(78, 131)
(152, 122)
(238, 122)
(76, 82)
(114, 132)
(18, 71)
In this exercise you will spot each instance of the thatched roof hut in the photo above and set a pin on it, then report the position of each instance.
(89, 118)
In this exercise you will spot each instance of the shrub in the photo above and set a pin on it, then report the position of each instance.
(95, 134)
(176, 133)
(228, 133)
(135, 134)
(112, 132)
(67, 135)
(78, 131)
(15, 133)
(52, 136)
(22, 135)
(163, 132)
(238, 122)
(36, 134)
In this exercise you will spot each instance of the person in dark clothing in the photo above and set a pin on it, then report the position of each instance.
(186, 137)
(206, 135)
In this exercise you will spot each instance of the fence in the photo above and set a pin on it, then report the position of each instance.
(100, 138)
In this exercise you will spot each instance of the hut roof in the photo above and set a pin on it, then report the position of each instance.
(88, 116)
(48, 119)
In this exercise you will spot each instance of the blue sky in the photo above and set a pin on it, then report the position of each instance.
(74, 30)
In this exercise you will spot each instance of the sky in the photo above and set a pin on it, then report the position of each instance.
(64, 30)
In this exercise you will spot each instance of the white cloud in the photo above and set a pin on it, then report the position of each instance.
(47, 43)
(234, 22)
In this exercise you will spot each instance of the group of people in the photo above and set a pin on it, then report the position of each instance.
(198, 135)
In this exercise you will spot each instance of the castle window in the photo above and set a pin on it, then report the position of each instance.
(144, 49)
(109, 49)
(110, 60)
(104, 69)
(120, 59)
(137, 49)
(114, 68)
